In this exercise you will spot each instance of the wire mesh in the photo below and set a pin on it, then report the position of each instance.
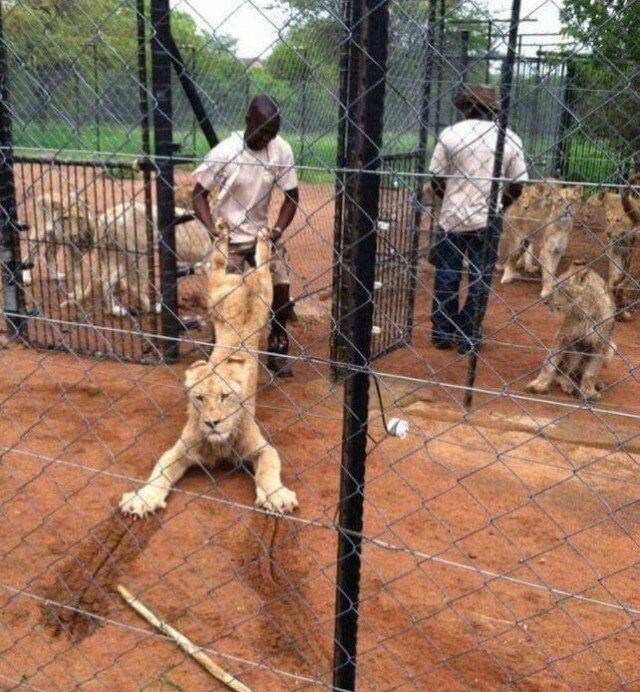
(500, 544)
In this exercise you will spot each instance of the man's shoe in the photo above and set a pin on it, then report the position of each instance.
(442, 345)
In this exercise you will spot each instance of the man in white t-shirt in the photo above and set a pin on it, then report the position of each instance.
(244, 169)
(462, 168)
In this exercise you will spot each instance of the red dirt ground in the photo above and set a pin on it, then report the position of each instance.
(469, 520)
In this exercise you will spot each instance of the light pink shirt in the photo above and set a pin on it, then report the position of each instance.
(465, 151)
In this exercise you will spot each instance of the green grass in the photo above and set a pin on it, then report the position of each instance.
(586, 160)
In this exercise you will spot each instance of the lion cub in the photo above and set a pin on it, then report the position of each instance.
(539, 228)
(221, 411)
(583, 343)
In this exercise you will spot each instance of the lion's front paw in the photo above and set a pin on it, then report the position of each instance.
(281, 501)
(139, 503)
(536, 387)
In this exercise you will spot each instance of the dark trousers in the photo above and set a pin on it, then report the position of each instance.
(450, 321)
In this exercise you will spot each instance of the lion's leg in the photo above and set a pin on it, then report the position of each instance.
(549, 260)
(111, 279)
(270, 493)
(153, 494)
(51, 257)
(568, 370)
(541, 384)
(512, 249)
(589, 381)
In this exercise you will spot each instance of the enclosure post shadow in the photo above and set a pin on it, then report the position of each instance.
(367, 25)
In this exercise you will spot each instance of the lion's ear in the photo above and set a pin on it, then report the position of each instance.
(540, 189)
(196, 373)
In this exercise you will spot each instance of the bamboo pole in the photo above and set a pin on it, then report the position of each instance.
(183, 642)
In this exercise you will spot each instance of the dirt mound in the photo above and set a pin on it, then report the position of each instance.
(83, 583)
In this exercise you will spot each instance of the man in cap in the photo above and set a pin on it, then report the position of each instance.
(244, 170)
(462, 168)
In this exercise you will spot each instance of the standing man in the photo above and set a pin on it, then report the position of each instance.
(244, 169)
(462, 168)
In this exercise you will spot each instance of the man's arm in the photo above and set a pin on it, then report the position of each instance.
(202, 209)
(287, 212)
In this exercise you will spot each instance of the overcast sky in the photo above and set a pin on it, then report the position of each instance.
(255, 24)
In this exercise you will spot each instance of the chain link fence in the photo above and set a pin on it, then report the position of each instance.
(443, 496)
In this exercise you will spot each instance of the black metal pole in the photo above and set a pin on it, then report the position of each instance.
(464, 54)
(191, 92)
(10, 268)
(560, 151)
(361, 212)
(164, 149)
(303, 115)
(143, 94)
(487, 74)
(423, 133)
(493, 231)
(441, 50)
(97, 90)
(345, 146)
(425, 106)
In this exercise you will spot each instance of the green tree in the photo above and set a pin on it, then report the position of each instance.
(607, 82)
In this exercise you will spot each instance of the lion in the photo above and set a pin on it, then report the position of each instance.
(221, 412)
(122, 243)
(583, 343)
(239, 304)
(537, 231)
(62, 220)
(521, 220)
(622, 233)
(219, 426)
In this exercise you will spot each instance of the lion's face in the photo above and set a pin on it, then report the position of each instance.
(616, 220)
(69, 219)
(216, 397)
(535, 199)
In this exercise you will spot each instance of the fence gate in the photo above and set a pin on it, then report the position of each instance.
(397, 251)
(398, 234)
(90, 262)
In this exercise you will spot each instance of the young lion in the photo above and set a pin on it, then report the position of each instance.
(61, 220)
(539, 228)
(221, 413)
(583, 343)
(220, 425)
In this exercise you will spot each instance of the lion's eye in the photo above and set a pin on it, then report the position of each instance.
(224, 397)
(199, 398)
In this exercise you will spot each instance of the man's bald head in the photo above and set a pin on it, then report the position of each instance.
(263, 122)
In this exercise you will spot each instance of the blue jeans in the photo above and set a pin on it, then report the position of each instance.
(449, 321)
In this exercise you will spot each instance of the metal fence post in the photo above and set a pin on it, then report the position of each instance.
(368, 48)
(10, 267)
(164, 150)
(560, 152)
(345, 147)
(493, 233)
(464, 54)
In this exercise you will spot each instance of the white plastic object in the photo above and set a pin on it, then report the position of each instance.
(377, 285)
(397, 427)
(383, 226)
(376, 330)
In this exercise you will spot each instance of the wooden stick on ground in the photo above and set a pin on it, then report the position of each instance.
(185, 644)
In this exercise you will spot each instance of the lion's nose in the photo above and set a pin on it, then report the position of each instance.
(213, 424)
